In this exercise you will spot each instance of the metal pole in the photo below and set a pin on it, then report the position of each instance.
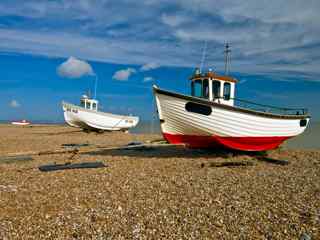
(227, 59)
(203, 56)
(95, 86)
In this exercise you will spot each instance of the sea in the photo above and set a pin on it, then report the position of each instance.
(310, 139)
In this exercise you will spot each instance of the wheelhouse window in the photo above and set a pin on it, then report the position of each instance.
(94, 106)
(200, 88)
(205, 88)
(196, 88)
(88, 105)
(216, 89)
(82, 103)
(226, 91)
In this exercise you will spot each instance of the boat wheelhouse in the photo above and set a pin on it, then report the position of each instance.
(87, 103)
(215, 88)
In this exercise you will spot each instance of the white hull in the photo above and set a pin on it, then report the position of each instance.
(20, 123)
(224, 123)
(80, 117)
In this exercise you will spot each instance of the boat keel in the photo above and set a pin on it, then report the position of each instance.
(237, 143)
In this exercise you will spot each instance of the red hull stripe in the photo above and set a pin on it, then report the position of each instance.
(238, 143)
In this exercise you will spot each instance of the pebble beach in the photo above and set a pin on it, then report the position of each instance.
(154, 192)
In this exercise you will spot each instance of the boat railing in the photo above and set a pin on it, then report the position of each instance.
(268, 108)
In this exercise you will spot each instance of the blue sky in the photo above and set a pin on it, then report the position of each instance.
(275, 51)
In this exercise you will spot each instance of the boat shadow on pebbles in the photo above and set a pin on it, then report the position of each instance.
(148, 152)
(172, 151)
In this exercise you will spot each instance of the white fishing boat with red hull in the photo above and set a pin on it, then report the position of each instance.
(212, 117)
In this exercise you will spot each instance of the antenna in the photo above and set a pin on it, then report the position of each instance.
(227, 51)
(203, 55)
(95, 86)
(89, 93)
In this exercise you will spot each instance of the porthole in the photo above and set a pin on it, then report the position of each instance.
(303, 122)
(198, 108)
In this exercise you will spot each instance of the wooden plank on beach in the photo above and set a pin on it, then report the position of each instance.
(47, 152)
(75, 145)
(13, 159)
(231, 164)
(74, 151)
(147, 146)
(272, 160)
(66, 166)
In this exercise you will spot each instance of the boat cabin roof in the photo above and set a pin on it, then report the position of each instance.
(85, 98)
(210, 74)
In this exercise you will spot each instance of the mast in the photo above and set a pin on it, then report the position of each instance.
(227, 52)
(89, 93)
(95, 86)
(203, 56)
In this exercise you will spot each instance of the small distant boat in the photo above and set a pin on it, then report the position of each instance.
(212, 117)
(87, 117)
(21, 123)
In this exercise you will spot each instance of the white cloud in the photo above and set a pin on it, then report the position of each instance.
(14, 104)
(124, 74)
(149, 66)
(74, 68)
(263, 10)
(260, 32)
(148, 79)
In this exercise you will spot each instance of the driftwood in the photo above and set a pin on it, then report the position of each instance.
(12, 159)
(160, 141)
(135, 143)
(34, 153)
(272, 160)
(146, 146)
(74, 151)
(66, 166)
(75, 145)
(230, 164)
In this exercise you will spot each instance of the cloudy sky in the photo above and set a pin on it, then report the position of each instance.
(53, 50)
